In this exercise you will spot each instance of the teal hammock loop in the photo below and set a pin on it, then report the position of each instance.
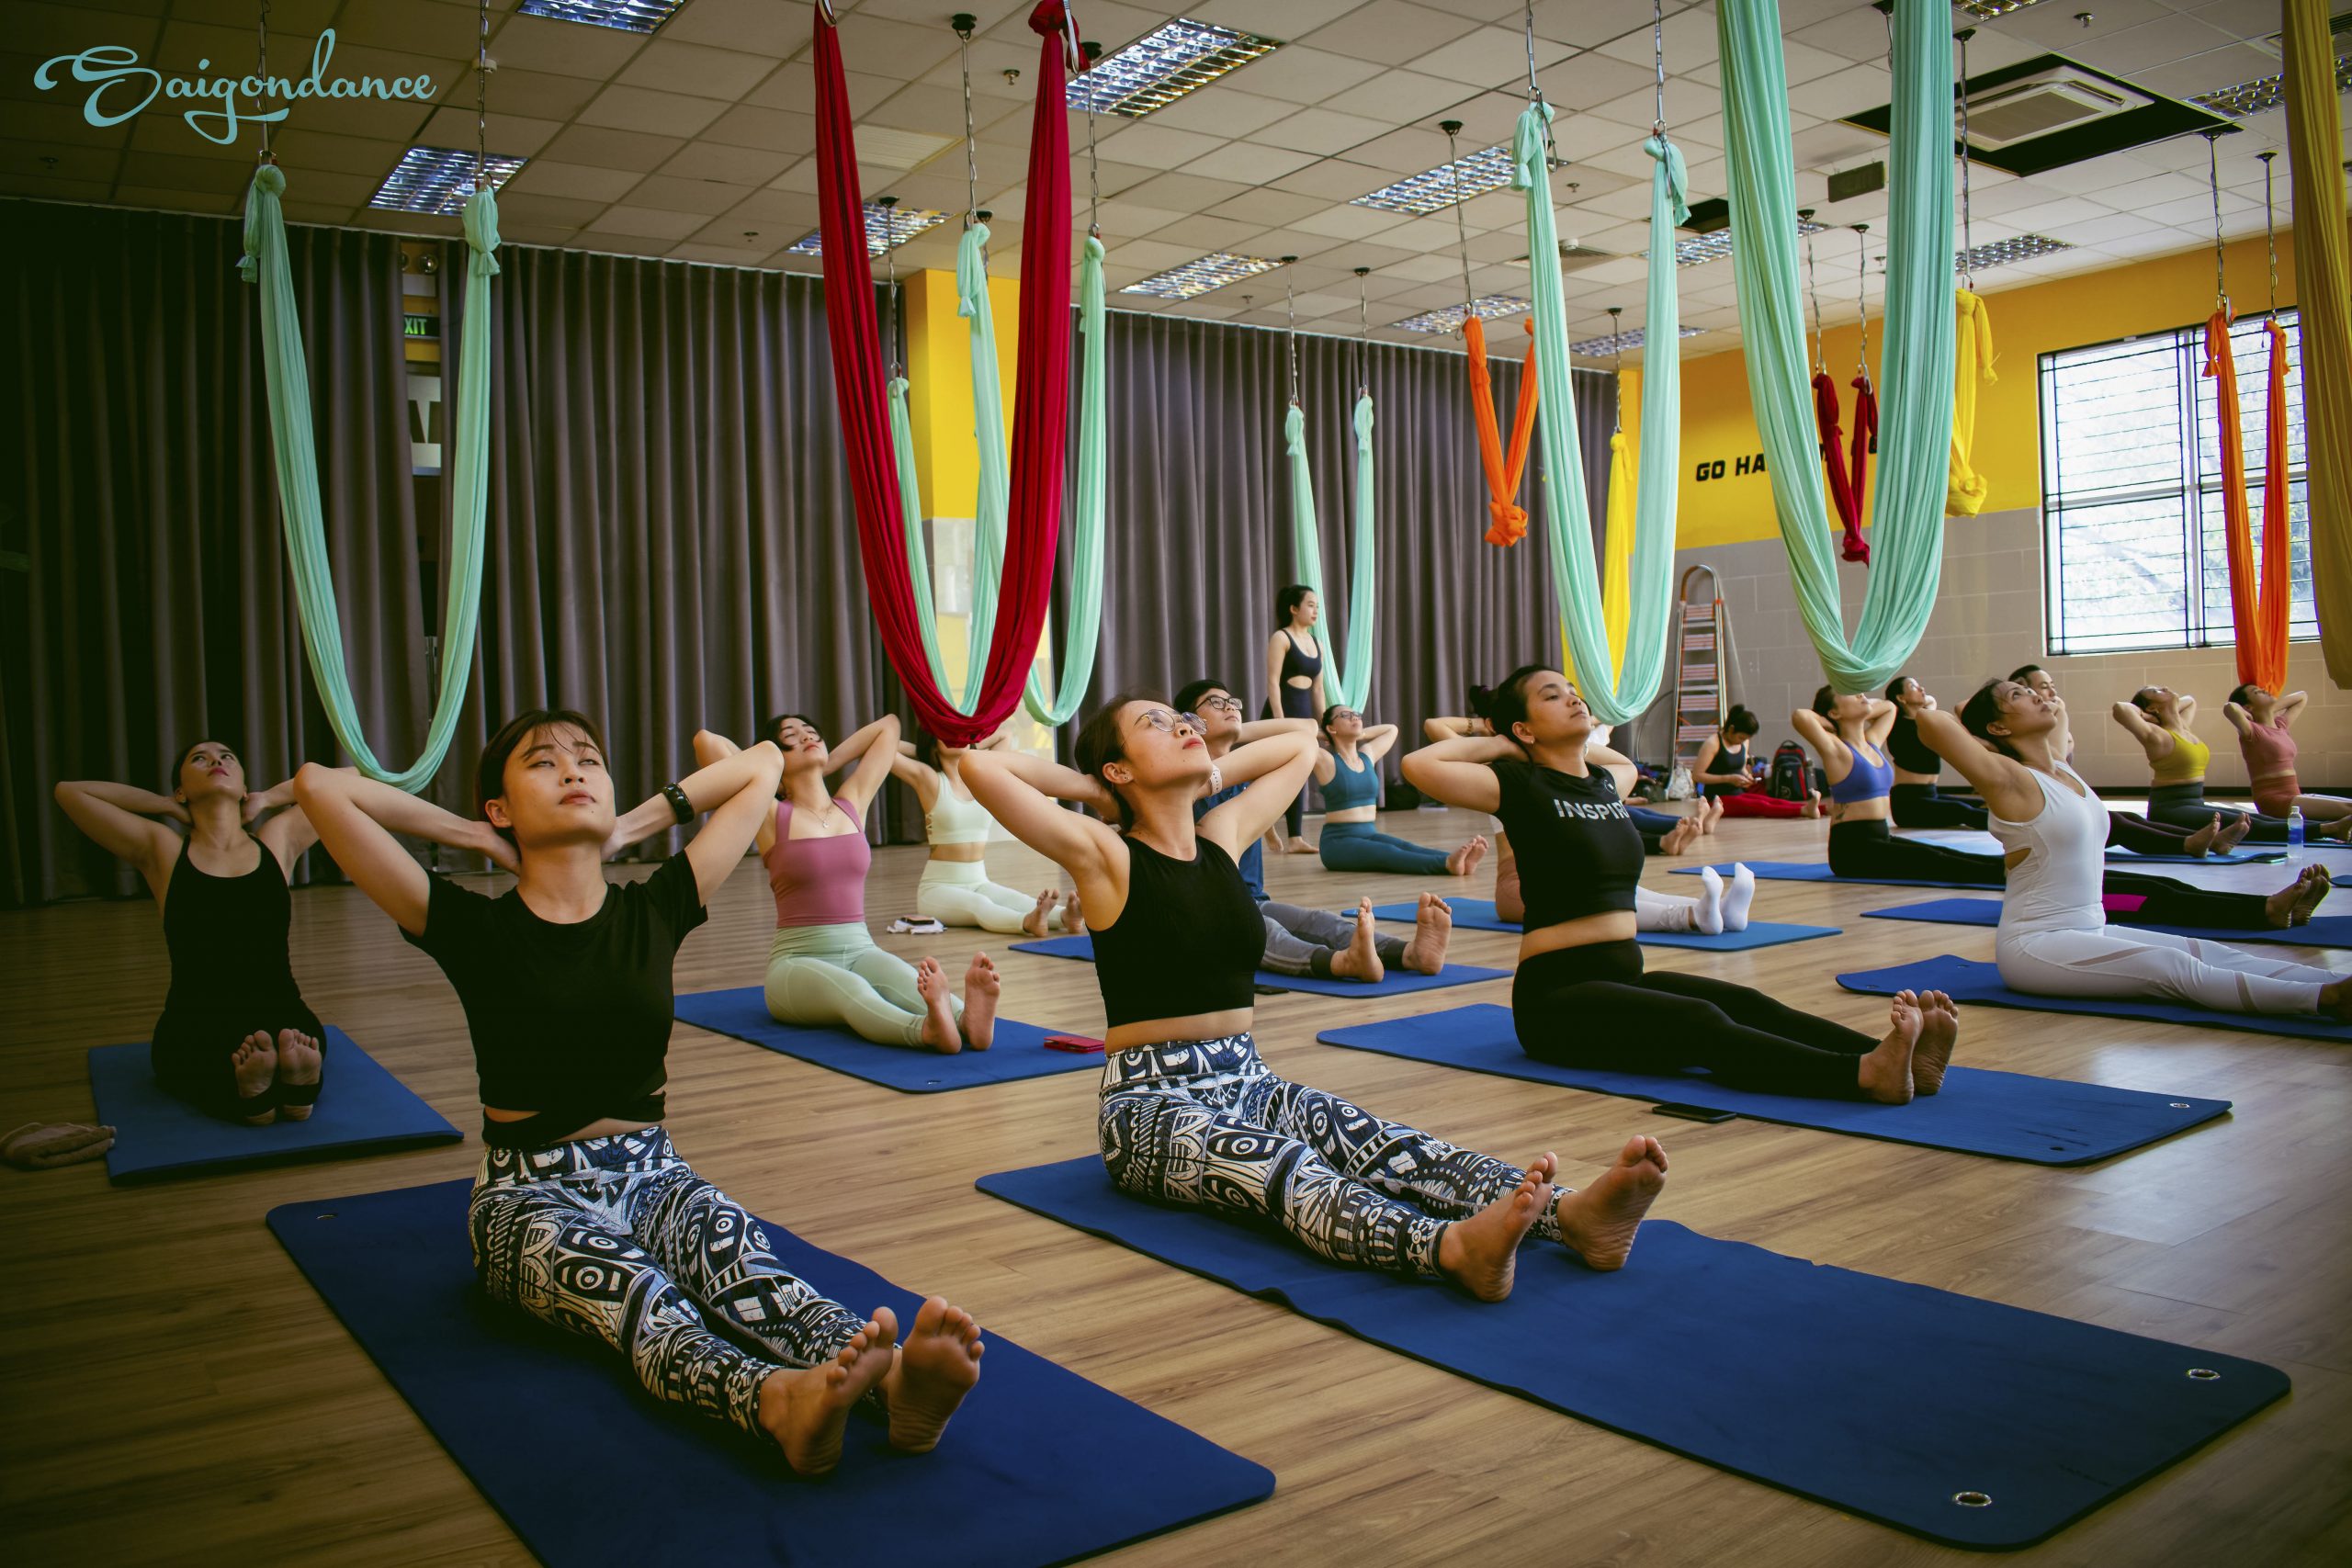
(1626, 692)
(1350, 683)
(1916, 377)
(293, 445)
(991, 505)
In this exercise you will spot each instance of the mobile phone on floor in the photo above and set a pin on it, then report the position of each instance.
(1707, 1113)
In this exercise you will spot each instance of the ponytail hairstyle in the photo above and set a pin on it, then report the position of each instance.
(1895, 689)
(1982, 711)
(1825, 702)
(1740, 721)
(1288, 600)
(1504, 703)
(2144, 700)
(2238, 697)
(2022, 670)
(1101, 742)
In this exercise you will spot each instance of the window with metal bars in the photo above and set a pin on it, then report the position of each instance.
(2134, 551)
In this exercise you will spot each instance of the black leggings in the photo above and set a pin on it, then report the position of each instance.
(1592, 1007)
(1867, 850)
(2184, 806)
(2127, 831)
(1922, 805)
(192, 1046)
(2170, 902)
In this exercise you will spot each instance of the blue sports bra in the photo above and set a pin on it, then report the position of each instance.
(1297, 663)
(1351, 786)
(1867, 779)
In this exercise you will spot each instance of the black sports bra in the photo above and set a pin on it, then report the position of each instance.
(1578, 853)
(1188, 941)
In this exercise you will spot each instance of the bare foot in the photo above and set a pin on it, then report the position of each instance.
(980, 988)
(1676, 839)
(1464, 860)
(1360, 960)
(2317, 885)
(1939, 1032)
(1481, 1254)
(2233, 835)
(1812, 802)
(1433, 931)
(298, 1062)
(1036, 920)
(1600, 1223)
(936, 1368)
(256, 1061)
(1273, 842)
(1885, 1073)
(805, 1408)
(2293, 903)
(2336, 998)
(2339, 829)
(2199, 842)
(939, 1031)
(1298, 846)
(1710, 812)
(1073, 916)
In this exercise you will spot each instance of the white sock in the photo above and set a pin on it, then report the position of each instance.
(1735, 902)
(1711, 902)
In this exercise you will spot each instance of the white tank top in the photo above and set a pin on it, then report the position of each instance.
(2058, 885)
(953, 819)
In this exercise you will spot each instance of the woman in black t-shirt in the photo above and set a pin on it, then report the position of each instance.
(583, 1215)
(1580, 996)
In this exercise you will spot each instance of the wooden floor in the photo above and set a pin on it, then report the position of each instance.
(176, 1394)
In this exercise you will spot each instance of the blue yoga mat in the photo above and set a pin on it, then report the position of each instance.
(1966, 980)
(1984, 843)
(2323, 931)
(621, 1478)
(1019, 1051)
(363, 1110)
(1479, 915)
(2008, 1115)
(1818, 871)
(1396, 982)
(1879, 1398)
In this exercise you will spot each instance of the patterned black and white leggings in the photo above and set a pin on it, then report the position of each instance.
(618, 1239)
(1206, 1122)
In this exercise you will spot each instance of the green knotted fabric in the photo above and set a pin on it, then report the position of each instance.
(1616, 694)
(293, 444)
(1915, 380)
(1083, 631)
(1351, 683)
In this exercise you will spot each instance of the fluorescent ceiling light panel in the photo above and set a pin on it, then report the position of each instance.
(1987, 10)
(1631, 337)
(1450, 319)
(1434, 190)
(887, 228)
(629, 15)
(2000, 252)
(1195, 278)
(1700, 249)
(437, 179)
(1163, 65)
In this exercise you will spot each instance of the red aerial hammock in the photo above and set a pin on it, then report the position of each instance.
(1848, 470)
(1041, 390)
(1506, 522)
(2258, 599)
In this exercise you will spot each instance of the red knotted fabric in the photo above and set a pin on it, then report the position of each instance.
(1506, 522)
(2258, 590)
(1845, 482)
(1040, 398)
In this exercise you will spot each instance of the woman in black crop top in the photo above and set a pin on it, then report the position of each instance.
(1916, 799)
(1580, 996)
(583, 1215)
(1189, 1114)
(235, 1038)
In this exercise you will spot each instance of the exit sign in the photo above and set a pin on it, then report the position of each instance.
(421, 326)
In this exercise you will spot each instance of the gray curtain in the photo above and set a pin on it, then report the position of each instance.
(1199, 537)
(144, 601)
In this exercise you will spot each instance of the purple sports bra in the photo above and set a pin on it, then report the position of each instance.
(818, 882)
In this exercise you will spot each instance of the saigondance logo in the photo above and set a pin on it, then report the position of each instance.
(120, 87)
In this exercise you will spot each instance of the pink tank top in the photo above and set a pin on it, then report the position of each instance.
(818, 882)
(2269, 749)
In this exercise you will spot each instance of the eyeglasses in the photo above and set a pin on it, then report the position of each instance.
(1221, 703)
(1166, 722)
(1344, 713)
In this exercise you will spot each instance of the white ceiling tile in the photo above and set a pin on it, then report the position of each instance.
(1221, 110)
(1267, 206)
(1490, 57)
(1400, 97)
(1155, 146)
(1802, 61)
(1428, 267)
(1287, 20)
(1335, 179)
(1250, 164)
(643, 110)
(1202, 233)
(1587, 79)
(1689, 38)
(2061, 27)
(1856, 36)
(1322, 131)
(1132, 221)
(544, 177)
(1301, 75)
(567, 49)
(1589, 23)
(2142, 194)
(695, 70)
(1393, 32)
(1185, 192)
(2133, 49)
(1347, 222)
(1851, 91)
(755, 27)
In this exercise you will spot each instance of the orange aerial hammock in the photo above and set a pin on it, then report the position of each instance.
(1506, 520)
(2259, 591)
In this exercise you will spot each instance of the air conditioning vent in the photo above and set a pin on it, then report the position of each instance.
(2038, 104)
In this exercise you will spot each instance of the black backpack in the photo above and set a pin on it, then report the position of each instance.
(1791, 775)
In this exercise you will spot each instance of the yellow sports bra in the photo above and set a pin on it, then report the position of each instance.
(2185, 763)
(955, 821)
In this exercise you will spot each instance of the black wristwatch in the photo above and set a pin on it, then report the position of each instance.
(679, 803)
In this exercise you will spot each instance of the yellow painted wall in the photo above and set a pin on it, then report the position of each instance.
(1718, 421)
(938, 391)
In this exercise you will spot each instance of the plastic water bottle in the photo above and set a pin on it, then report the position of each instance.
(2295, 835)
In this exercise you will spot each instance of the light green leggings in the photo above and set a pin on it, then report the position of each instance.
(834, 976)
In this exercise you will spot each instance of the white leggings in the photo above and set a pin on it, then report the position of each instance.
(833, 976)
(2104, 962)
(958, 893)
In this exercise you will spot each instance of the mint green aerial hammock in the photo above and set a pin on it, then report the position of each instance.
(293, 444)
(993, 503)
(1616, 694)
(1917, 379)
(1351, 683)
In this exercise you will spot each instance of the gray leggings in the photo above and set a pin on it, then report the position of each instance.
(833, 976)
(1301, 942)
